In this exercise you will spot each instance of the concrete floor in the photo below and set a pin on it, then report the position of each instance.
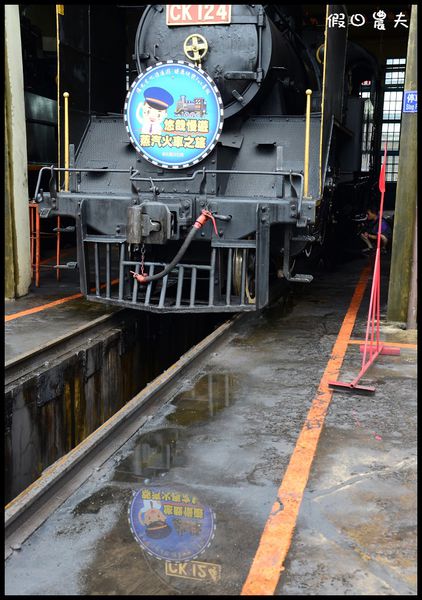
(225, 441)
(26, 334)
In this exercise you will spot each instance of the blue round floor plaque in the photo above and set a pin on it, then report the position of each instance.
(170, 524)
(173, 114)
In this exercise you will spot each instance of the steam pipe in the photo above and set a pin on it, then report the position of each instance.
(200, 221)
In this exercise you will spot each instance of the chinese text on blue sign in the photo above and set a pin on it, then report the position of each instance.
(410, 102)
(174, 114)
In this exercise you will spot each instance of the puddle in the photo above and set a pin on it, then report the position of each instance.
(94, 503)
(211, 394)
(153, 456)
(156, 452)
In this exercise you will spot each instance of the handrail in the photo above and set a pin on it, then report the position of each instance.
(66, 140)
(133, 176)
(73, 170)
(307, 141)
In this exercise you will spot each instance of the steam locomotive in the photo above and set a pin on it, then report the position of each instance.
(189, 108)
(200, 210)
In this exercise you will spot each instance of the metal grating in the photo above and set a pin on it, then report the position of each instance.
(187, 288)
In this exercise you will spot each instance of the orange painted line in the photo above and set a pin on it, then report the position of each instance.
(388, 343)
(276, 538)
(36, 309)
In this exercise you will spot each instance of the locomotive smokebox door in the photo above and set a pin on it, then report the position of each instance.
(149, 223)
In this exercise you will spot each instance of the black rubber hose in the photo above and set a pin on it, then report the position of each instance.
(147, 278)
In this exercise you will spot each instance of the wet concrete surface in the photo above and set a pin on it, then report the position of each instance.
(357, 519)
(32, 332)
(26, 334)
(215, 455)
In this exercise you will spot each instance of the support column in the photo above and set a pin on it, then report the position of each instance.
(17, 235)
(413, 296)
(405, 208)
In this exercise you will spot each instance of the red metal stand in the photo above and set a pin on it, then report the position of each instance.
(372, 346)
(35, 243)
(34, 226)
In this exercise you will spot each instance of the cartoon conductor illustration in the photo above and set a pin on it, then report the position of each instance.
(154, 521)
(154, 109)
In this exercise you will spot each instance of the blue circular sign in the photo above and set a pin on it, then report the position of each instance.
(170, 524)
(173, 114)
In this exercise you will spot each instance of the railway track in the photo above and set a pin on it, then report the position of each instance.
(31, 508)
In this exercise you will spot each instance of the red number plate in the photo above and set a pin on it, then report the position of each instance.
(198, 14)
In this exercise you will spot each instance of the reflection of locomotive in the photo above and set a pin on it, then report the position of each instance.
(270, 203)
(191, 108)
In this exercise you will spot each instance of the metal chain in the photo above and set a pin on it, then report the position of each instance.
(142, 259)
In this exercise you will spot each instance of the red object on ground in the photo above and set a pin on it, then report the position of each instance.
(372, 345)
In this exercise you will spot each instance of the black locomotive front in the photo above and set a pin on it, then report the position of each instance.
(209, 235)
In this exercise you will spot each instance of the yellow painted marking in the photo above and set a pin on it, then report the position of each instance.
(322, 99)
(199, 571)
